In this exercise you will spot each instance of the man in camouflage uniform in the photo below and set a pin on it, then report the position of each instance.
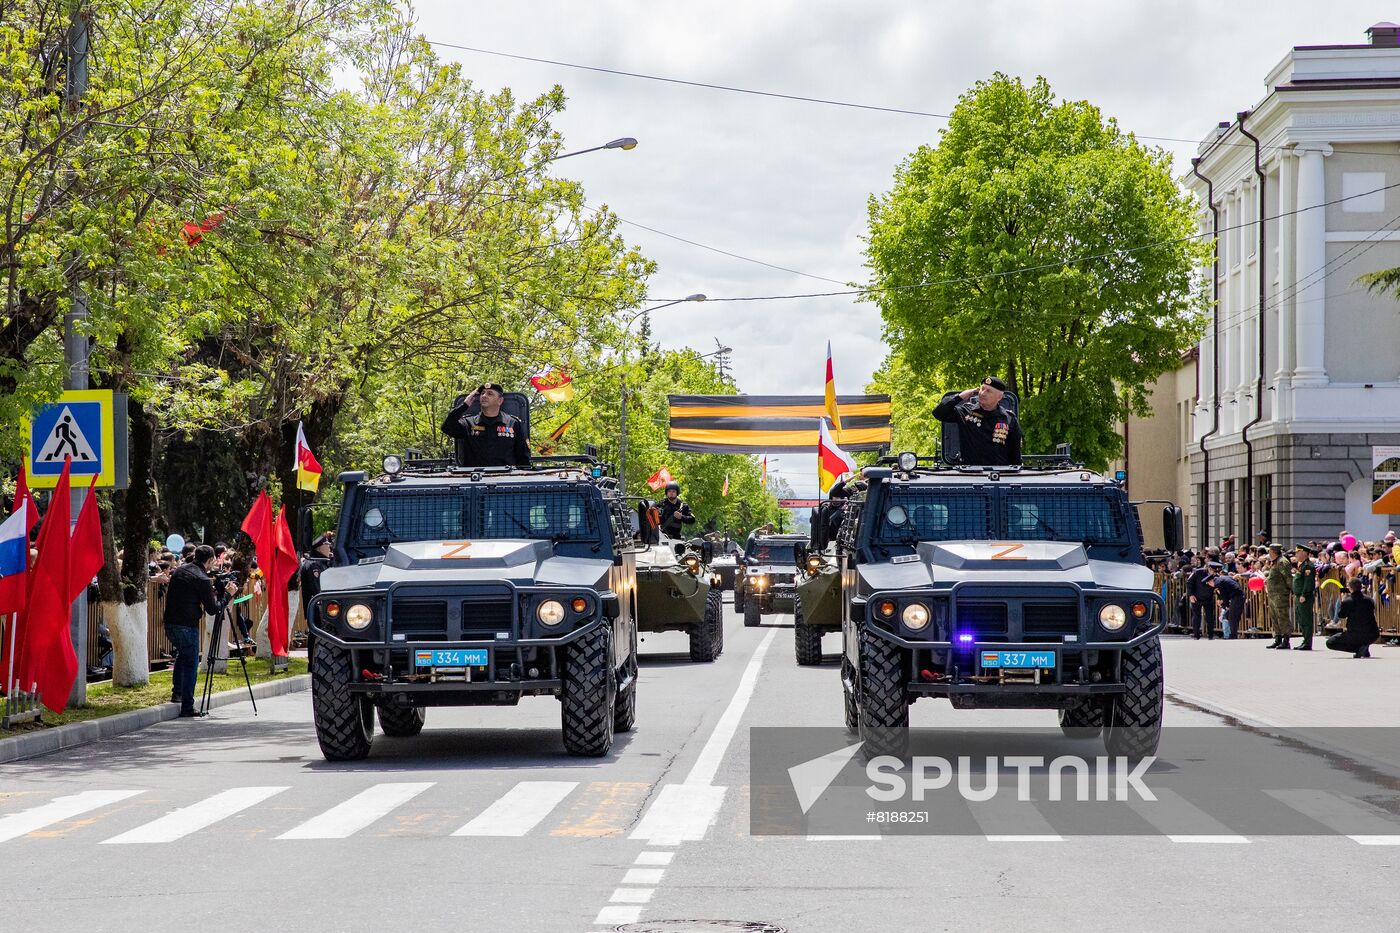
(1304, 589)
(1279, 585)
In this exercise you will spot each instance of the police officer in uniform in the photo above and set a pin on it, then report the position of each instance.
(1202, 597)
(491, 437)
(674, 512)
(1230, 596)
(987, 433)
(1279, 585)
(1360, 612)
(1304, 589)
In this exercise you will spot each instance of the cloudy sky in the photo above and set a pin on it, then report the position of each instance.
(786, 182)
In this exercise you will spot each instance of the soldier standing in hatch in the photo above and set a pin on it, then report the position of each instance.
(988, 435)
(1279, 585)
(1304, 589)
(491, 437)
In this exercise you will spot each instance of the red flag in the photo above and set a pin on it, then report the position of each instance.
(660, 478)
(277, 561)
(23, 494)
(85, 556)
(47, 657)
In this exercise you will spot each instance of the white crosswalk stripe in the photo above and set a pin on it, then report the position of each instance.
(1342, 815)
(1004, 820)
(520, 810)
(180, 823)
(348, 818)
(58, 810)
(1184, 822)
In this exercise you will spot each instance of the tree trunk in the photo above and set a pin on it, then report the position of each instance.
(131, 664)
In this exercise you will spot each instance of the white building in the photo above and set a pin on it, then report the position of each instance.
(1290, 400)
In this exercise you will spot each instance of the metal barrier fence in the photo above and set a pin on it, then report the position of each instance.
(1383, 587)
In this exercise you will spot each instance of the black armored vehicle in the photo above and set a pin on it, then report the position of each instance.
(1003, 588)
(469, 586)
(766, 581)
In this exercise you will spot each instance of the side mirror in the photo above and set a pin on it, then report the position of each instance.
(1173, 531)
(304, 536)
(680, 549)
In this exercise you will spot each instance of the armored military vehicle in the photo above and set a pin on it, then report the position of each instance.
(1000, 587)
(468, 586)
(766, 581)
(677, 592)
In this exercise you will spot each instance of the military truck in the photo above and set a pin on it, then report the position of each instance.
(1000, 587)
(468, 586)
(818, 608)
(766, 581)
(677, 592)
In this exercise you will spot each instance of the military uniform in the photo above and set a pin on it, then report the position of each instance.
(487, 442)
(1279, 586)
(1304, 590)
(985, 438)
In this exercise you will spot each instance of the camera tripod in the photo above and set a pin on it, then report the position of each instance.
(216, 632)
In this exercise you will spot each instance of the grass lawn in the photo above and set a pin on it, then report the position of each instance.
(106, 700)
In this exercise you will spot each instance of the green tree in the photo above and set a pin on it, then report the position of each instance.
(1038, 242)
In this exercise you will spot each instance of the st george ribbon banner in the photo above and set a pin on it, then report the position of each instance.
(799, 503)
(755, 424)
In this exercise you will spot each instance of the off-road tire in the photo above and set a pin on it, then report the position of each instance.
(806, 639)
(625, 707)
(402, 722)
(344, 720)
(1083, 720)
(753, 615)
(589, 694)
(1133, 726)
(707, 635)
(883, 704)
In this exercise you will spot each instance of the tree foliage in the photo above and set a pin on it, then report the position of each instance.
(1037, 242)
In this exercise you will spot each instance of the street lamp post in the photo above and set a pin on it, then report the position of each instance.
(622, 437)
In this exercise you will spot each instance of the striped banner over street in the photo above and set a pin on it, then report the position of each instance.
(753, 424)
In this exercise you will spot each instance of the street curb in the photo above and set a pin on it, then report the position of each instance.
(47, 741)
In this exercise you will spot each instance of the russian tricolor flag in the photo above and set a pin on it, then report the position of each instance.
(14, 560)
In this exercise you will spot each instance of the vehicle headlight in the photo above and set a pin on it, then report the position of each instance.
(814, 564)
(1112, 617)
(550, 612)
(908, 461)
(393, 464)
(1141, 610)
(760, 581)
(692, 563)
(915, 616)
(359, 616)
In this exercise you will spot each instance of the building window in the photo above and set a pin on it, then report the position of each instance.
(1227, 515)
(1264, 505)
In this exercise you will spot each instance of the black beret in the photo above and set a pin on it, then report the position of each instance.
(490, 385)
(995, 383)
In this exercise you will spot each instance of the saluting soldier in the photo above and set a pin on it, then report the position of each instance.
(1279, 585)
(1304, 590)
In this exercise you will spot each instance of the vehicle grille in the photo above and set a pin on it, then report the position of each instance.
(420, 619)
(986, 621)
(1050, 619)
(484, 619)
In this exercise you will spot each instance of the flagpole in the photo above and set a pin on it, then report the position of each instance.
(13, 626)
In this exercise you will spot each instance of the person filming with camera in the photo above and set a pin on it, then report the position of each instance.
(189, 598)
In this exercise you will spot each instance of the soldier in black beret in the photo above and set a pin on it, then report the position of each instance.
(491, 437)
(988, 434)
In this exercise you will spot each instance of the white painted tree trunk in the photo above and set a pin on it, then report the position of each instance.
(131, 666)
(260, 635)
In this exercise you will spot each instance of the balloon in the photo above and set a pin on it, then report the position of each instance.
(1256, 583)
(1349, 542)
(175, 543)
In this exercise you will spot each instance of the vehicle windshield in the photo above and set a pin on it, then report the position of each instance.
(385, 516)
(1086, 516)
(769, 553)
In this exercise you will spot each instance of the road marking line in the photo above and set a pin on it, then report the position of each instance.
(346, 819)
(680, 813)
(1033, 837)
(655, 858)
(643, 876)
(58, 810)
(1376, 840)
(1171, 811)
(520, 810)
(844, 838)
(632, 896)
(1003, 820)
(180, 823)
(702, 773)
(618, 915)
(1340, 814)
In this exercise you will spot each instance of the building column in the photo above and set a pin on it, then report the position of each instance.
(1287, 253)
(1310, 308)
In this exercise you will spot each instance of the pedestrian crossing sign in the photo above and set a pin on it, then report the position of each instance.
(80, 426)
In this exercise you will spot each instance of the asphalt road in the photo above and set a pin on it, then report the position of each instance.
(482, 823)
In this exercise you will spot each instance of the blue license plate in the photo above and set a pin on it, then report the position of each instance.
(450, 657)
(1032, 659)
